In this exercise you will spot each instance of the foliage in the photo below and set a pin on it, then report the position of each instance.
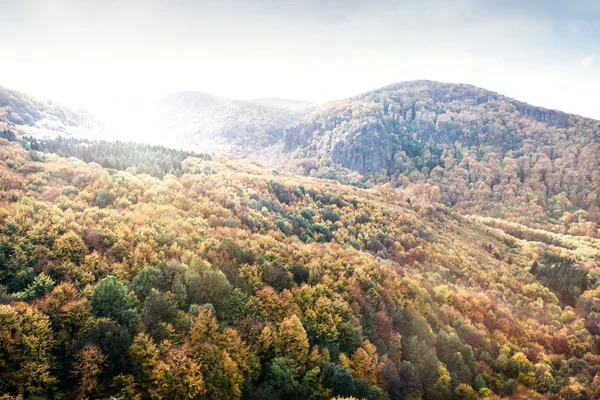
(188, 287)
(487, 154)
(110, 299)
(153, 160)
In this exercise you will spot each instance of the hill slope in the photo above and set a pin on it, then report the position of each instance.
(489, 154)
(230, 282)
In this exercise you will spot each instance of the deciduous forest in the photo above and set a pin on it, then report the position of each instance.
(141, 272)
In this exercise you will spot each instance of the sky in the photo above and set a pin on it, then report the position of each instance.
(107, 54)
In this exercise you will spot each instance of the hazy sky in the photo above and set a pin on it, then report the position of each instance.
(103, 53)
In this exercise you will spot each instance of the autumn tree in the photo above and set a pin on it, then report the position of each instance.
(291, 342)
(166, 372)
(70, 247)
(26, 345)
(87, 368)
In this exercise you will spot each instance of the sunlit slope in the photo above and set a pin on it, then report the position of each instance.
(489, 154)
(373, 293)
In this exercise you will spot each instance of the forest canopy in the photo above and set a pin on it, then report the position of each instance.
(216, 278)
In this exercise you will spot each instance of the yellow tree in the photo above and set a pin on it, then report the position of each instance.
(318, 358)
(225, 360)
(292, 343)
(441, 389)
(69, 247)
(364, 366)
(177, 376)
(86, 369)
(466, 392)
(167, 372)
(25, 349)
(68, 311)
(323, 319)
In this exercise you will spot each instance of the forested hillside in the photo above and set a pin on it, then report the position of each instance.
(157, 161)
(230, 281)
(488, 154)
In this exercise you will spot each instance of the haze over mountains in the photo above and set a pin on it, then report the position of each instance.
(44, 117)
(209, 123)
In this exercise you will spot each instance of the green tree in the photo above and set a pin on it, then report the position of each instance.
(41, 285)
(215, 289)
(339, 380)
(111, 300)
(113, 340)
(104, 198)
(280, 377)
(146, 280)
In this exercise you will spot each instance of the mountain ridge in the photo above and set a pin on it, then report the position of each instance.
(484, 150)
(487, 152)
(524, 104)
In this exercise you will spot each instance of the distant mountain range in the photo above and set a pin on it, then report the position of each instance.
(487, 153)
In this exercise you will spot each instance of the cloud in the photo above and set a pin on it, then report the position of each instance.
(88, 51)
(587, 62)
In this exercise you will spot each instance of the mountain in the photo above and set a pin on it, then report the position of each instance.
(295, 106)
(187, 120)
(488, 154)
(209, 123)
(30, 115)
(219, 279)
